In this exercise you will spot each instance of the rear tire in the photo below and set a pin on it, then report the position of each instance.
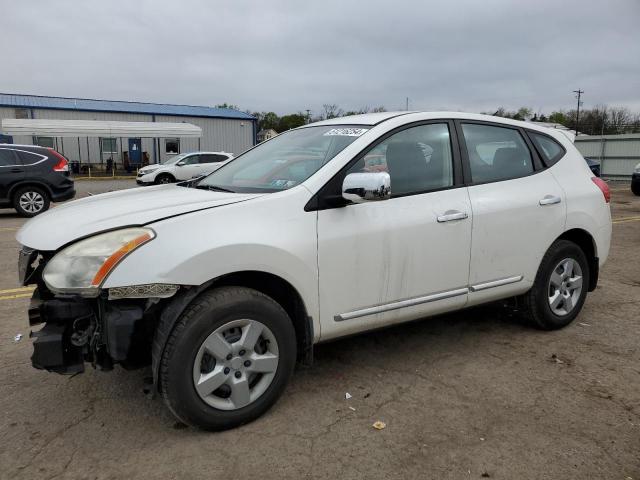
(560, 287)
(31, 201)
(635, 188)
(164, 178)
(217, 371)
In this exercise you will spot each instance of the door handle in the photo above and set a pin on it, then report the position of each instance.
(452, 215)
(550, 200)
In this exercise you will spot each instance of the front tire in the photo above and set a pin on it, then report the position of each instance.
(31, 201)
(164, 178)
(560, 287)
(228, 359)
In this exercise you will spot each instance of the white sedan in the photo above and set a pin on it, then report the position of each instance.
(334, 228)
(182, 167)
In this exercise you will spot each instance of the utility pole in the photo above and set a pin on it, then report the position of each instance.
(578, 94)
(407, 109)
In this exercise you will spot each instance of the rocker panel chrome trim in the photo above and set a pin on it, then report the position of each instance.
(410, 302)
(495, 283)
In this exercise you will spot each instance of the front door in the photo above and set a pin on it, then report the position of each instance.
(188, 167)
(135, 152)
(519, 209)
(394, 260)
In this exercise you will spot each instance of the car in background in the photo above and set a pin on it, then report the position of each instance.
(182, 167)
(32, 177)
(594, 165)
(635, 180)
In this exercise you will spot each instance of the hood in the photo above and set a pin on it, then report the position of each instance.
(136, 206)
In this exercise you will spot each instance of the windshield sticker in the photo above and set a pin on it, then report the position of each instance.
(347, 132)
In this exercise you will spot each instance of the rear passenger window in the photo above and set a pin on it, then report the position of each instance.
(496, 153)
(7, 157)
(549, 149)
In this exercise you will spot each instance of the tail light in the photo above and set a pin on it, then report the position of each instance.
(62, 165)
(604, 188)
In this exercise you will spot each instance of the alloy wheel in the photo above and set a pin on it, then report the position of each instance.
(235, 364)
(31, 202)
(565, 286)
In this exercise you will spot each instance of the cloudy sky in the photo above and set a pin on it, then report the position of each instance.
(290, 55)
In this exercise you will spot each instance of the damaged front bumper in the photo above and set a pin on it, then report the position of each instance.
(117, 326)
(98, 331)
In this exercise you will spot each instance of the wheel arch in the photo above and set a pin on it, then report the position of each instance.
(279, 289)
(166, 174)
(587, 244)
(28, 183)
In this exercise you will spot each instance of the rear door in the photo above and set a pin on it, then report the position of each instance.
(519, 209)
(11, 170)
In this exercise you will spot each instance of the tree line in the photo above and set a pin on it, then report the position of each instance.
(271, 120)
(599, 120)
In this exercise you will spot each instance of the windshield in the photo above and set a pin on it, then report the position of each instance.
(174, 159)
(284, 161)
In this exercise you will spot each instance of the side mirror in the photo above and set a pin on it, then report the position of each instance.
(366, 187)
(180, 164)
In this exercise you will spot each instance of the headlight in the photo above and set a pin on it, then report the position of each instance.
(82, 267)
(637, 169)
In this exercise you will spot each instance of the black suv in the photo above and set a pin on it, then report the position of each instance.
(31, 177)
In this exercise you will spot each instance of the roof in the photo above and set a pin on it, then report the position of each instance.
(98, 128)
(363, 119)
(92, 105)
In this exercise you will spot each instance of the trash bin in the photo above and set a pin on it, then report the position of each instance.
(109, 165)
(75, 167)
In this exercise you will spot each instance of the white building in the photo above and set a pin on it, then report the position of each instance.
(223, 129)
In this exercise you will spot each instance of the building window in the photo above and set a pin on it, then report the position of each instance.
(109, 145)
(22, 113)
(43, 141)
(172, 146)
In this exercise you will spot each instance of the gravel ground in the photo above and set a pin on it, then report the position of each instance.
(475, 394)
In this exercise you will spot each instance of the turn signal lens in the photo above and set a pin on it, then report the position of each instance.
(118, 255)
(604, 188)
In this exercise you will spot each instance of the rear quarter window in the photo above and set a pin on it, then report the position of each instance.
(549, 150)
(30, 158)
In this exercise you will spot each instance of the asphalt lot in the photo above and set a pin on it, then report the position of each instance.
(475, 394)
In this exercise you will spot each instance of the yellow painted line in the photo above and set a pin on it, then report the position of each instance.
(17, 290)
(8, 229)
(626, 220)
(19, 295)
(117, 177)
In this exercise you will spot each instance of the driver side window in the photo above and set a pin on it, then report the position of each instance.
(417, 159)
(191, 160)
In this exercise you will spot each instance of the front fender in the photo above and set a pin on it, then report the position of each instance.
(272, 235)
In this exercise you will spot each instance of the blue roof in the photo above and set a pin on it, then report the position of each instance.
(90, 105)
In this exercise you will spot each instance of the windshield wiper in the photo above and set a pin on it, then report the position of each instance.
(214, 188)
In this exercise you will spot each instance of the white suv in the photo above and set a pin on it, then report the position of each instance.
(182, 167)
(334, 228)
